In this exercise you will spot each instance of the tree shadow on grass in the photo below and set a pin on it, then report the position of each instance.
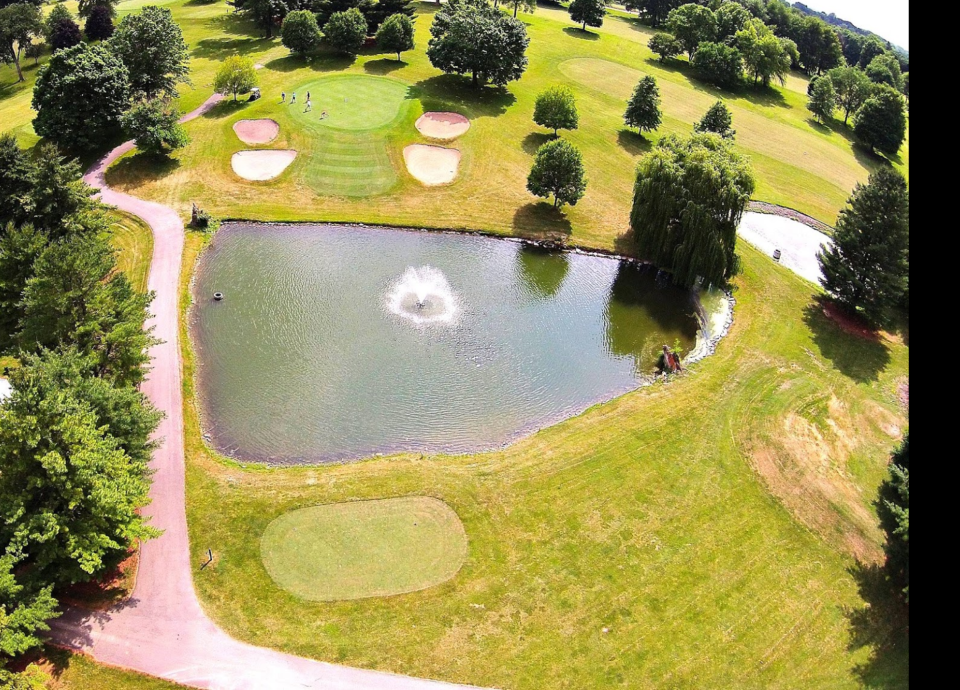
(139, 169)
(860, 358)
(489, 101)
(633, 142)
(227, 107)
(577, 32)
(221, 48)
(318, 62)
(540, 219)
(535, 140)
(882, 626)
(625, 244)
(383, 66)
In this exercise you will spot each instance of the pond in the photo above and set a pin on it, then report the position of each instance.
(336, 342)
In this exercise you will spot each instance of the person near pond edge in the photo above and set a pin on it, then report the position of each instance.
(668, 362)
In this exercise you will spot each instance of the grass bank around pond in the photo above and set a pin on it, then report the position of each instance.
(799, 163)
(133, 240)
(642, 542)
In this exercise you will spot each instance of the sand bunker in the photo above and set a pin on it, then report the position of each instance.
(256, 131)
(442, 125)
(432, 164)
(261, 165)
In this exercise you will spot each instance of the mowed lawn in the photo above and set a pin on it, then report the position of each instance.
(716, 531)
(799, 163)
(133, 241)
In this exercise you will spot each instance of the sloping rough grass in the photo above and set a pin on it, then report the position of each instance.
(364, 548)
(134, 242)
(637, 545)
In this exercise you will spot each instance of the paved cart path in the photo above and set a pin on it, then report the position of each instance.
(161, 630)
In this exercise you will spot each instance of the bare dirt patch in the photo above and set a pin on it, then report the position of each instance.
(432, 165)
(108, 590)
(804, 464)
(443, 126)
(261, 131)
(847, 322)
(261, 165)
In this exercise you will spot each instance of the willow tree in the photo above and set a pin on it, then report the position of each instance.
(688, 199)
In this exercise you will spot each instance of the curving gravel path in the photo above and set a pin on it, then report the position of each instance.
(798, 243)
(161, 630)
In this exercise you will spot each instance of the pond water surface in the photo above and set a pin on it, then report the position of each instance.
(338, 342)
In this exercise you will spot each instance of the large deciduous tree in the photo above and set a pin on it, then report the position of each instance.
(853, 87)
(70, 497)
(265, 13)
(881, 122)
(471, 37)
(558, 170)
(66, 34)
(819, 46)
(235, 76)
(151, 46)
(377, 13)
(18, 25)
(866, 268)
(885, 69)
(692, 24)
(718, 64)
(822, 100)
(731, 17)
(643, 108)
(346, 31)
(300, 33)
(654, 10)
(86, 7)
(556, 109)
(155, 127)
(665, 45)
(588, 12)
(718, 120)
(689, 197)
(763, 53)
(79, 96)
(396, 34)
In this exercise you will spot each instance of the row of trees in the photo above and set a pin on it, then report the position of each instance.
(75, 432)
(270, 14)
(83, 94)
(345, 31)
(879, 111)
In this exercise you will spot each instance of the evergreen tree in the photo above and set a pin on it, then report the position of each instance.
(822, 100)
(865, 270)
(881, 122)
(688, 200)
(59, 202)
(14, 178)
(377, 13)
(556, 109)
(20, 247)
(77, 297)
(23, 616)
(79, 96)
(99, 26)
(396, 34)
(151, 46)
(718, 120)
(590, 12)
(643, 108)
(558, 170)
(893, 508)
(346, 31)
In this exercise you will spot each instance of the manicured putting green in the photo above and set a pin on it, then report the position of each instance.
(364, 549)
(353, 102)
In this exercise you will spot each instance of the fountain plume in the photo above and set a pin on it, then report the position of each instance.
(422, 295)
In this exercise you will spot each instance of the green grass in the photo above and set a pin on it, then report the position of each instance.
(799, 163)
(364, 548)
(77, 672)
(353, 102)
(134, 242)
(656, 517)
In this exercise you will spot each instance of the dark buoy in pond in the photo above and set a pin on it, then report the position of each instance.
(218, 296)
(776, 255)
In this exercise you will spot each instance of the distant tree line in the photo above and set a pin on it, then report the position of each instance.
(75, 431)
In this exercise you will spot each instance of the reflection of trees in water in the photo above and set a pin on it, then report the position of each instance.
(541, 271)
(643, 314)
